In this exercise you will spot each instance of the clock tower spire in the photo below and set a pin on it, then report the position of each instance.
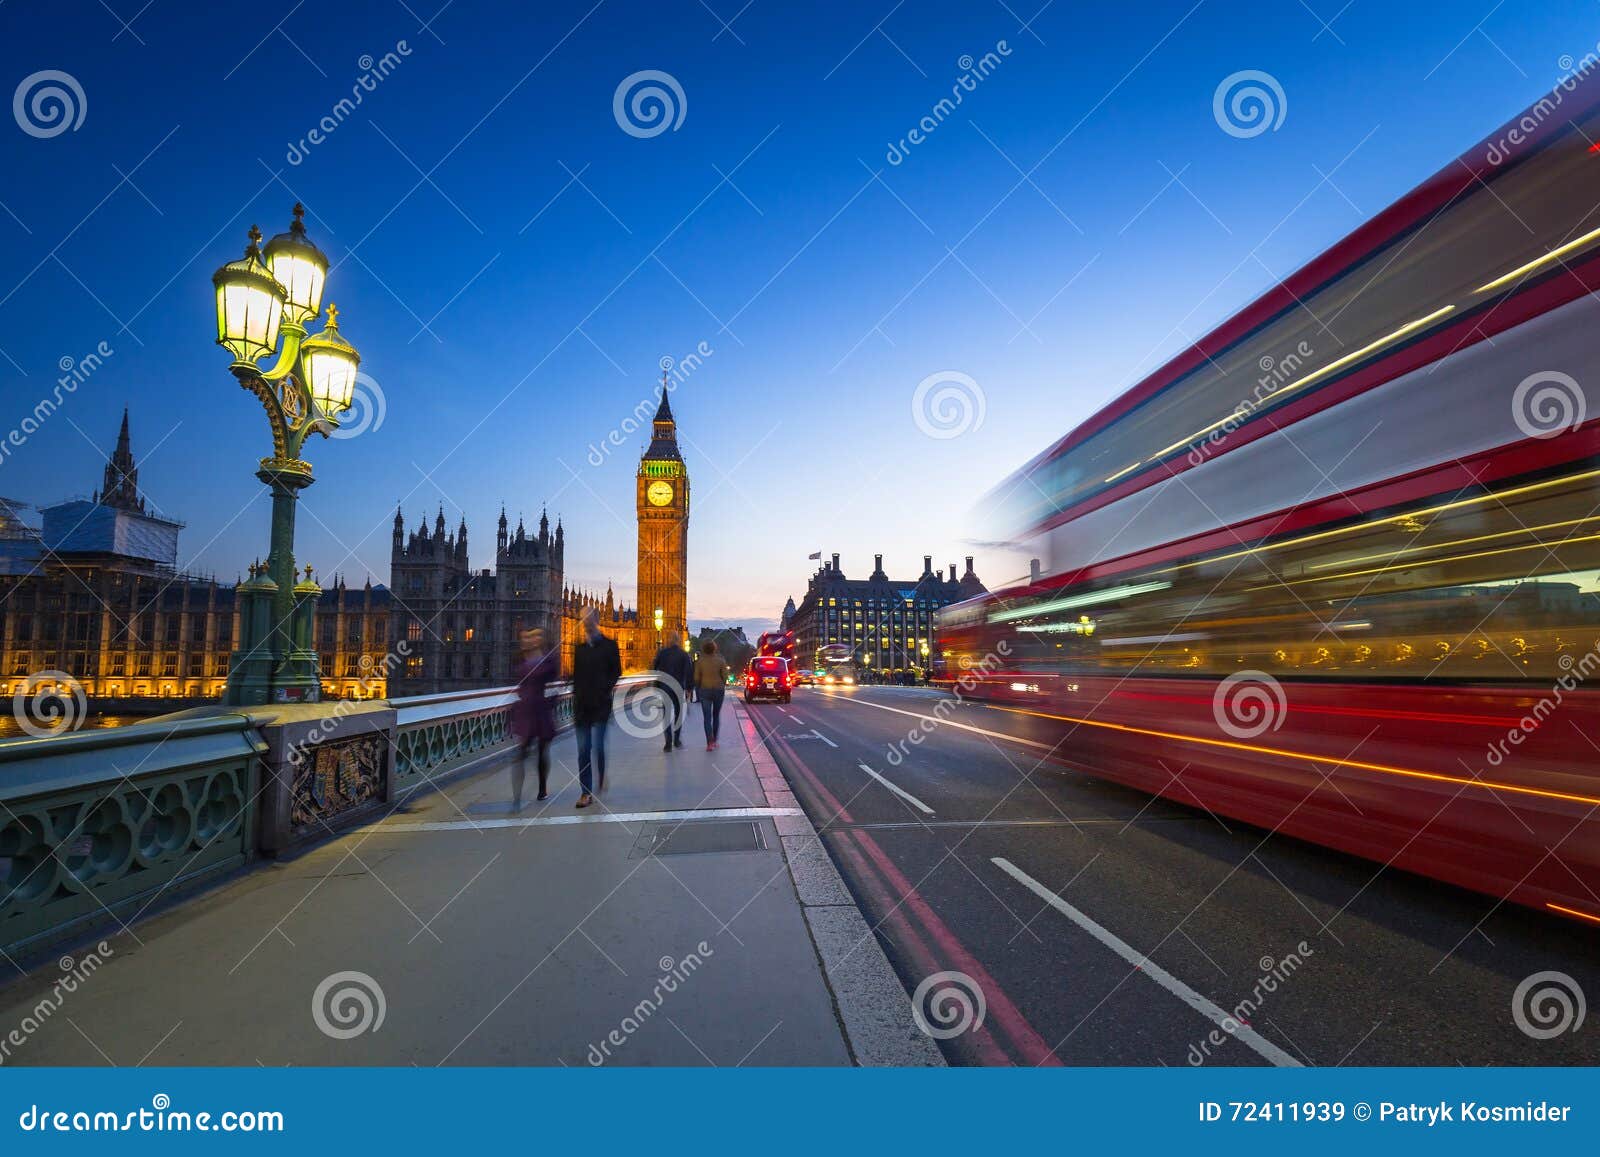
(662, 505)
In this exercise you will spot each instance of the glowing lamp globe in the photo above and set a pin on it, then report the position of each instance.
(249, 305)
(330, 364)
(300, 267)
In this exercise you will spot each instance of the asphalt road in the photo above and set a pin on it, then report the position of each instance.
(1098, 925)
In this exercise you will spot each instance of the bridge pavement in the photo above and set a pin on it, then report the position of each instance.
(455, 933)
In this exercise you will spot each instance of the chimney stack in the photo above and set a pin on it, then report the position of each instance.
(952, 572)
(836, 562)
(1033, 570)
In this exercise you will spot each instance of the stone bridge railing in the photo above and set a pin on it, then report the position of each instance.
(99, 827)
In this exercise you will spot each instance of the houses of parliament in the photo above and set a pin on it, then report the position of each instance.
(94, 594)
(461, 626)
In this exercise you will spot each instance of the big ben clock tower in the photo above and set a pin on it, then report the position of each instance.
(662, 504)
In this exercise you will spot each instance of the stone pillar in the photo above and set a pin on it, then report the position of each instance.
(327, 766)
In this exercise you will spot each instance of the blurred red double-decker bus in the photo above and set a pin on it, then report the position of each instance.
(1335, 569)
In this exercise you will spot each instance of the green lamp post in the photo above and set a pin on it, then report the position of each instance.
(264, 301)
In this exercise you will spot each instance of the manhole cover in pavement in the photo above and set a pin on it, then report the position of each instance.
(708, 836)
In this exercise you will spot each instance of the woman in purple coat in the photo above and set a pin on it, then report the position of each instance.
(533, 720)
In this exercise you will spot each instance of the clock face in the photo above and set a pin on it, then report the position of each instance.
(659, 493)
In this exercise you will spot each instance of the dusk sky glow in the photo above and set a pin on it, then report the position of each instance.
(513, 265)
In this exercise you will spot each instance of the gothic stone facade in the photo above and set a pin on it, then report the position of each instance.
(461, 627)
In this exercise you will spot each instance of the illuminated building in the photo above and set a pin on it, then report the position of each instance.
(94, 594)
(887, 624)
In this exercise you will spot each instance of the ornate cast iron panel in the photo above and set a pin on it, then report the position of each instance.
(335, 777)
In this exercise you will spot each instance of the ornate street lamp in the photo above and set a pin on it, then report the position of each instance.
(266, 296)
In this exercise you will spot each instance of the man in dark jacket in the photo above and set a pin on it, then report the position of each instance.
(675, 667)
(596, 667)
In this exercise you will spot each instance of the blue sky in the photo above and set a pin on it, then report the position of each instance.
(513, 265)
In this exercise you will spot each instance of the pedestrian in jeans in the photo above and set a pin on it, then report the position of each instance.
(596, 667)
(675, 668)
(710, 684)
(533, 720)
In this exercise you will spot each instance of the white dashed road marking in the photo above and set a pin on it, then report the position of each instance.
(1222, 1019)
(899, 791)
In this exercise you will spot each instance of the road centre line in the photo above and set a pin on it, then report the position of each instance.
(899, 791)
(948, 723)
(1206, 1008)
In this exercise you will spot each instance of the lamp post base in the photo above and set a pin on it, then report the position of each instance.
(275, 662)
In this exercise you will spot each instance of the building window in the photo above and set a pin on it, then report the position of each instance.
(169, 664)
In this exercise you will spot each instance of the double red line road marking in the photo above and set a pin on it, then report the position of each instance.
(1005, 1037)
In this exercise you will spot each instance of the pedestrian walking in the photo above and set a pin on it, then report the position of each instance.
(710, 685)
(676, 669)
(533, 719)
(596, 667)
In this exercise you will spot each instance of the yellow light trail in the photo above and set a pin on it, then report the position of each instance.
(1284, 753)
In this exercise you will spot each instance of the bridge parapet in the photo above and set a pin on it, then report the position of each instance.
(98, 826)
